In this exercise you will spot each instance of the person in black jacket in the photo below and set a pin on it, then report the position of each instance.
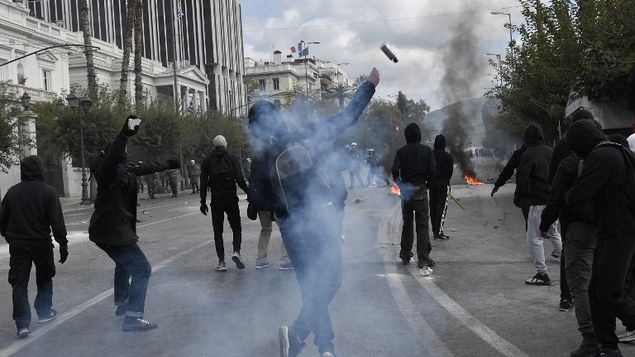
(413, 170)
(29, 212)
(113, 225)
(532, 190)
(508, 172)
(303, 201)
(439, 186)
(221, 171)
(607, 181)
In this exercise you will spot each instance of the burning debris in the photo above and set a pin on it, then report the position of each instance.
(470, 178)
(394, 190)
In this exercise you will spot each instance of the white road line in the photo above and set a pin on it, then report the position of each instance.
(37, 334)
(486, 334)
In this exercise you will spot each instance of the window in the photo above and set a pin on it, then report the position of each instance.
(46, 79)
(261, 84)
(276, 84)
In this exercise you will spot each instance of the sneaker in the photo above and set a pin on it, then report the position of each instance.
(425, 271)
(609, 352)
(121, 310)
(539, 279)
(555, 255)
(286, 266)
(236, 259)
(23, 332)
(221, 266)
(262, 265)
(588, 347)
(565, 305)
(131, 323)
(627, 336)
(404, 260)
(51, 316)
(426, 262)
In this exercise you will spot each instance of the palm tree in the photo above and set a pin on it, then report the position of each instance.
(339, 92)
(138, 52)
(359, 80)
(127, 47)
(84, 24)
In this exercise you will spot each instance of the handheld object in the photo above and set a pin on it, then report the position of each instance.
(389, 52)
(134, 123)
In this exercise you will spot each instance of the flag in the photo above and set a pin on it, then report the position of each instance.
(293, 50)
(304, 52)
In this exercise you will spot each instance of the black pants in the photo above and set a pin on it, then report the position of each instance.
(438, 195)
(150, 189)
(564, 285)
(132, 273)
(194, 183)
(221, 204)
(416, 210)
(173, 187)
(608, 297)
(19, 271)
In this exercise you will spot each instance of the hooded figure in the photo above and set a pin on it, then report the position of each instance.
(30, 211)
(413, 170)
(439, 186)
(532, 190)
(607, 181)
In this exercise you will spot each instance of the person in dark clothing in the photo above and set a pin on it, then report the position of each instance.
(355, 165)
(303, 202)
(194, 172)
(607, 181)
(413, 170)
(532, 190)
(508, 172)
(30, 211)
(173, 181)
(374, 169)
(221, 171)
(150, 181)
(113, 225)
(439, 186)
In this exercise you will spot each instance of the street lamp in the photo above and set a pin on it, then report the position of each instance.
(82, 105)
(25, 99)
(511, 37)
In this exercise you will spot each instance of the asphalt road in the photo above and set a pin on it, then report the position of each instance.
(475, 303)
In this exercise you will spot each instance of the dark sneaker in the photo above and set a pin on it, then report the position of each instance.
(539, 279)
(221, 266)
(609, 352)
(555, 255)
(236, 259)
(131, 323)
(262, 265)
(51, 316)
(23, 332)
(405, 260)
(627, 336)
(565, 305)
(588, 348)
(286, 266)
(121, 309)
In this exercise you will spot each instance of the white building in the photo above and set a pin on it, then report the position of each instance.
(279, 81)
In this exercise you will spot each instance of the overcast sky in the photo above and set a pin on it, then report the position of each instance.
(352, 31)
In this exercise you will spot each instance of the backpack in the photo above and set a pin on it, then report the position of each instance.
(628, 193)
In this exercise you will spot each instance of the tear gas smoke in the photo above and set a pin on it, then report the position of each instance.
(389, 52)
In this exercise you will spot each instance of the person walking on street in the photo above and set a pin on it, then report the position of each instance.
(413, 170)
(607, 181)
(355, 165)
(150, 182)
(194, 173)
(508, 172)
(221, 171)
(532, 190)
(173, 180)
(439, 185)
(30, 211)
(113, 225)
(266, 228)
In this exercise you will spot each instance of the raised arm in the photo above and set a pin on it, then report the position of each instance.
(150, 167)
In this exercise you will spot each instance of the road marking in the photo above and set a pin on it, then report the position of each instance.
(486, 334)
(38, 333)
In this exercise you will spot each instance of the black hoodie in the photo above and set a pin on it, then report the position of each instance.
(221, 171)
(414, 163)
(532, 177)
(607, 179)
(31, 209)
(444, 163)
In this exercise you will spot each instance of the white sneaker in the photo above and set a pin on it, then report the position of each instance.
(425, 271)
(221, 266)
(236, 259)
(627, 336)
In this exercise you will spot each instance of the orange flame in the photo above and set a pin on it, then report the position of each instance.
(470, 178)
(394, 190)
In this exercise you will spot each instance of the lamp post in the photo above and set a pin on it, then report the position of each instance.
(511, 36)
(25, 100)
(81, 105)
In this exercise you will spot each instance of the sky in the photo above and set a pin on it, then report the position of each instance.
(353, 30)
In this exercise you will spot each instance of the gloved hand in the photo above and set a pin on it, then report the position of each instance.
(63, 253)
(126, 126)
(494, 190)
(204, 209)
(174, 164)
(252, 212)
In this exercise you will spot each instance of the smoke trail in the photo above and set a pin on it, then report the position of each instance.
(463, 68)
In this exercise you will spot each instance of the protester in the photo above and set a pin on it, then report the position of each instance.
(221, 171)
(30, 211)
(413, 170)
(355, 165)
(150, 182)
(266, 228)
(439, 186)
(607, 181)
(374, 169)
(532, 190)
(113, 225)
(173, 181)
(303, 203)
(194, 172)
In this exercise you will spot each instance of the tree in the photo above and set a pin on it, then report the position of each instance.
(127, 47)
(339, 92)
(138, 53)
(11, 138)
(84, 24)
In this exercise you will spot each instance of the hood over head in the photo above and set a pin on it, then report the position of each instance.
(533, 134)
(412, 133)
(439, 142)
(619, 139)
(31, 169)
(583, 136)
(262, 119)
(581, 114)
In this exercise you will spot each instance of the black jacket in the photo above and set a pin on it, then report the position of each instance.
(443, 161)
(607, 179)
(414, 163)
(221, 171)
(511, 166)
(560, 152)
(532, 177)
(114, 221)
(31, 210)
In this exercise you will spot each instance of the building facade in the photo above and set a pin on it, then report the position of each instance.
(206, 34)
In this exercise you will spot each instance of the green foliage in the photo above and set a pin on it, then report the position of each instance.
(11, 139)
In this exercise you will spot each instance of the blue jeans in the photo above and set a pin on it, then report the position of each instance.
(313, 245)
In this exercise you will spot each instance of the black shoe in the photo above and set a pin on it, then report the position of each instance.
(565, 305)
(446, 237)
(404, 260)
(236, 259)
(539, 279)
(131, 323)
(609, 352)
(23, 332)
(121, 310)
(588, 348)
